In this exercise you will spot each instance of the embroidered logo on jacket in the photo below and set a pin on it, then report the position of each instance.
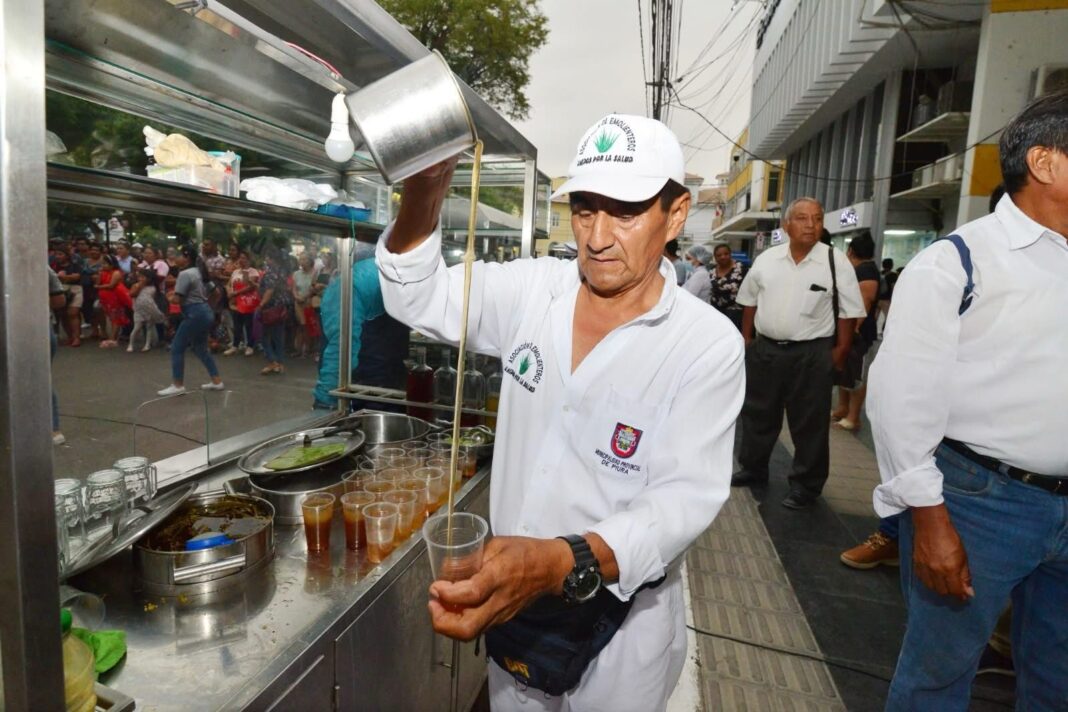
(526, 366)
(625, 440)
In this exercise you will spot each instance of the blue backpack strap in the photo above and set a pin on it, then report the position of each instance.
(966, 263)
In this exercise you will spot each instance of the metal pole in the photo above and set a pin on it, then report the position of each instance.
(530, 194)
(29, 590)
(884, 160)
(344, 259)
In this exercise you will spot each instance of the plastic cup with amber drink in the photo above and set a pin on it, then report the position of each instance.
(383, 456)
(455, 549)
(354, 480)
(422, 493)
(408, 463)
(318, 511)
(379, 488)
(352, 504)
(380, 522)
(407, 505)
(437, 486)
(444, 462)
(421, 455)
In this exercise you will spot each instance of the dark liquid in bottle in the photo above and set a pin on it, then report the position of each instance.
(421, 389)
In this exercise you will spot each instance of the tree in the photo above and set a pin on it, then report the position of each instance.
(488, 43)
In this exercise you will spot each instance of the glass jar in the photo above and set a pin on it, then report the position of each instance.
(139, 476)
(105, 496)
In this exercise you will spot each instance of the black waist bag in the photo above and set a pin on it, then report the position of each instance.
(549, 645)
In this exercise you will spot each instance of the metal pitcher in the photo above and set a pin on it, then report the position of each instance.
(413, 118)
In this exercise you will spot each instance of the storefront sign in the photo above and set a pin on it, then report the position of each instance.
(848, 218)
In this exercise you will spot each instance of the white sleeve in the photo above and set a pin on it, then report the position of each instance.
(690, 471)
(694, 282)
(750, 289)
(420, 291)
(908, 403)
(850, 301)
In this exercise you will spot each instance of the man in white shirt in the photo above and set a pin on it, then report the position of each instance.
(967, 404)
(798, 316)
(616, 417)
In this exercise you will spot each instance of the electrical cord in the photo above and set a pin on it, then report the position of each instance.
(136, 425)
(831, 661)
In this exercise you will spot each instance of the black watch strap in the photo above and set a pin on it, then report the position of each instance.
(581, 550)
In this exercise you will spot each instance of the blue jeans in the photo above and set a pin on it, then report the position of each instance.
(193, 332)
(1016, 539)
(274, 342)
(889, 526)
(53, 345)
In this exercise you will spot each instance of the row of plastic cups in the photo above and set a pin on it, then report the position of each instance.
(413, 454)
(378, 526)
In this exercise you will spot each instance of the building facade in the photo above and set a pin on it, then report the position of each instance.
(752, 198)
(889, 113)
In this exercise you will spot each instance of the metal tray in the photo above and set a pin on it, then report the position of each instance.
(136, 524)
(255, 461)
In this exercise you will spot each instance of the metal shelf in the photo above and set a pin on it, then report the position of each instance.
(377, 394)
(86, 186)
(931, 191)
(941, 129)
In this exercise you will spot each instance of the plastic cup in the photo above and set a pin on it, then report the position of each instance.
(354, 480)
(407, 506)
(380, 522)
(383, 456)
(457, 557)
(422, 455)
(410, 445)
(379, 488)
(438, 438)
(352, 504)
(444, 463)
(437, 487)
(391, 474)
(318, 511)
(407, 464)
(422, 492)
(466, 461)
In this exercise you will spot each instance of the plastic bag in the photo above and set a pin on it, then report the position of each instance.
(288, 192)
(174, 150)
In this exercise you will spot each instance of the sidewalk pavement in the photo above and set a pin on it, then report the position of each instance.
(771, 579)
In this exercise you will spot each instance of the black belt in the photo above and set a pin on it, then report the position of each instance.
(1056, 485)
(780, 342)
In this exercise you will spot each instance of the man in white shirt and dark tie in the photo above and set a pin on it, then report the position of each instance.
(616, 419)
(798, 316)
(968, 408)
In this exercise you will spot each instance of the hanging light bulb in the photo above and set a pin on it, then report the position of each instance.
(339, 146)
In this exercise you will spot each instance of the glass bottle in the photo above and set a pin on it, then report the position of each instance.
(493, 396)
(445, 386)
(420, 386)
(474, 393)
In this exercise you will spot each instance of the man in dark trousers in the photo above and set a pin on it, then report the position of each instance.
(800, 300)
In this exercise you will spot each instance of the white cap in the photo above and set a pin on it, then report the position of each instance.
(628, 158)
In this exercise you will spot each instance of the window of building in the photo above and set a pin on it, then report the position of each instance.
(774, 186)
(555, 220)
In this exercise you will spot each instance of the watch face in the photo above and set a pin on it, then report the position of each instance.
(589, 582)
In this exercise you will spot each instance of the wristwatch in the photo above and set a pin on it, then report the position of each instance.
(584, 581)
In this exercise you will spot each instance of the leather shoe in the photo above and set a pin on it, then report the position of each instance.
(747, 478)
(799, 500)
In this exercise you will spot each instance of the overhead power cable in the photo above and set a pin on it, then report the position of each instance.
(827, 179)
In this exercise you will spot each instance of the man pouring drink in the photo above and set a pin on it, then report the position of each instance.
(615, 427)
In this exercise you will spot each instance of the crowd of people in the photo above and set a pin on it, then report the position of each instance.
(188, 297)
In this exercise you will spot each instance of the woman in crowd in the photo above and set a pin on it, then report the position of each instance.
(243, 291)
(727, 276)
(275, 299)
(115, 302)
(147, 314)
(852, 381)
(92, 264)
(303, 286)
(197, 317)
(699, 283)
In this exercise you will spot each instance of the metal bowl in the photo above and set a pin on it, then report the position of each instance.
(386, 428)
(413, 118)
(169, 573)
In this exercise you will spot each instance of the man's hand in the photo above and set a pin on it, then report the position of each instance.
(839, 355)
(424, 194)
(515, 571)
(938, 555)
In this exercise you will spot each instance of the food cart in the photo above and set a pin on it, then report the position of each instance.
(293, 630)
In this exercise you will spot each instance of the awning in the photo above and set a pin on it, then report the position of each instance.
(744, 225)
